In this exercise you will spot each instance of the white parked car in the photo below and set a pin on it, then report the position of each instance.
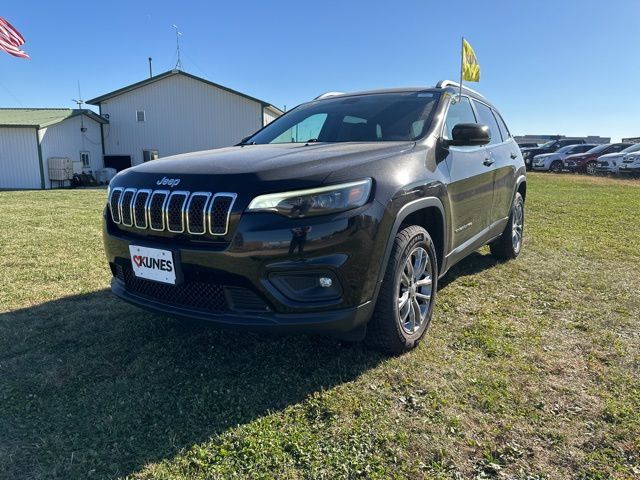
(611, 162)
(630, 164)
(553, 161)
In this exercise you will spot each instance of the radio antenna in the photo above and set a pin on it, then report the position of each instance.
(178, 35)
(79, 101)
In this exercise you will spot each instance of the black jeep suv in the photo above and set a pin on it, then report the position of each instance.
(338, 217)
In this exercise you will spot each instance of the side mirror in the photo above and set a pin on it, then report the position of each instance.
(469, 134)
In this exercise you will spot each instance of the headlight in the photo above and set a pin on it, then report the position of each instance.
(315, 201)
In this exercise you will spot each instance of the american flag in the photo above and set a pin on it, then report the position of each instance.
(10, 39)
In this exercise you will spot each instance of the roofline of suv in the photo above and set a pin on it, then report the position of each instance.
(448, 85)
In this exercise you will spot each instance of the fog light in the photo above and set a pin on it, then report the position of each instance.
(307, 286)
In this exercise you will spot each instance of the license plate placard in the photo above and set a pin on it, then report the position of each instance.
(153, 264)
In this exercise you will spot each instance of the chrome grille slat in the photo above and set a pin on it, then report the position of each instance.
(124, 205)
(219, 212)
(140, 204)
(155, 211)
(175, 211)
(195, 213)
(114, 201)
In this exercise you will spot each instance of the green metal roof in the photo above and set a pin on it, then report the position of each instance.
(42, 117)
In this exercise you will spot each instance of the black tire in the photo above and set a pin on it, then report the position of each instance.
(556, 166)
(505, 247)
(385, 330)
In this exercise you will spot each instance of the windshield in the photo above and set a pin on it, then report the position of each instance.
(598, 149)
(384, 117)
(632, 148)
(565, 149)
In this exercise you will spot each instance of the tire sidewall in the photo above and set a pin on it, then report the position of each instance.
(517, 200)
(422, 239)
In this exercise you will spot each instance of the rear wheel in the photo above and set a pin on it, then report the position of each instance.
(556, 166)
(509, 244)
(407, 295)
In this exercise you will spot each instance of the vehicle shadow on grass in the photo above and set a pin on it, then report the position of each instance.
(475, 263)
(92, 387)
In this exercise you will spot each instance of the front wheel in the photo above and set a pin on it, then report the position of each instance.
(407, 295)
(509, 244)
(556, 166)
(591, 168)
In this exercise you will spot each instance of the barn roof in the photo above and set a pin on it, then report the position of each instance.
(171, 73)
(42, 117)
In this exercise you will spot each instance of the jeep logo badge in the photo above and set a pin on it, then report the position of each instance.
(172, 182)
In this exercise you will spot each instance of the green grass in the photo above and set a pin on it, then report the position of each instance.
(530, 368)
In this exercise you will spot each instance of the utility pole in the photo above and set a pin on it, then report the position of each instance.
(150, 67)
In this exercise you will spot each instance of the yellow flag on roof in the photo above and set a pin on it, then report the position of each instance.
(470, 65)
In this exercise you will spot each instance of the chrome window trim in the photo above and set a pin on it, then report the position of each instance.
(113, 190)
(182, 215)
(162, 208)
(120, 206)
(204, 212)
(233, 197)
(146, 208)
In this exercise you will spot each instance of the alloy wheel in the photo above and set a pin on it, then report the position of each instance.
(415, 290)
(517, 226)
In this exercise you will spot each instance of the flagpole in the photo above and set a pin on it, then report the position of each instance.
(461, 63)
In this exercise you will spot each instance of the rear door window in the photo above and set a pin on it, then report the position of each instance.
(485, 116)
(504, 131)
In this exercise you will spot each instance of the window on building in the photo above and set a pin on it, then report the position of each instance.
(84, 158)
(148, 155)
(485, 116)
(141, 116)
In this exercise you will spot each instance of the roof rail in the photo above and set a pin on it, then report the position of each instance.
(328, 94)
(451, 83)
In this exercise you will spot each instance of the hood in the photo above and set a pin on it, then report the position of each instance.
(611, 155)
(257, 167)
(577, 156)
(547, 155)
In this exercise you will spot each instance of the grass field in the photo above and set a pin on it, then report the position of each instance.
(530, 370)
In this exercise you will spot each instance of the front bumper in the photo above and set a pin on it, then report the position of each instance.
(540, 166)
(333, 321)
(246, 274)
(627, 170)
(606, 169)
(574, 167)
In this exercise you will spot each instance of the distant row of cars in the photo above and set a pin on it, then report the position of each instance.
(578, 156)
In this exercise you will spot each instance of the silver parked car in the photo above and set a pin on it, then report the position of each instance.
(554, 161)
(611, 162)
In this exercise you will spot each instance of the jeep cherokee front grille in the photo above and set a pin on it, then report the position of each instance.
(197, 213)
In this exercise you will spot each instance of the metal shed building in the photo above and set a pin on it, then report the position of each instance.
(30, 136)
(176, 112)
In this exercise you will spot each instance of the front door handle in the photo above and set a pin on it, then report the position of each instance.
(513, 156)
(488, 162)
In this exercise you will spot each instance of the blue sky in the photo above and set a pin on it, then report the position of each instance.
(549, 66)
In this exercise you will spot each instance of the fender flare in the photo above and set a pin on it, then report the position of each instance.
(520, 180)
(402, 214)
